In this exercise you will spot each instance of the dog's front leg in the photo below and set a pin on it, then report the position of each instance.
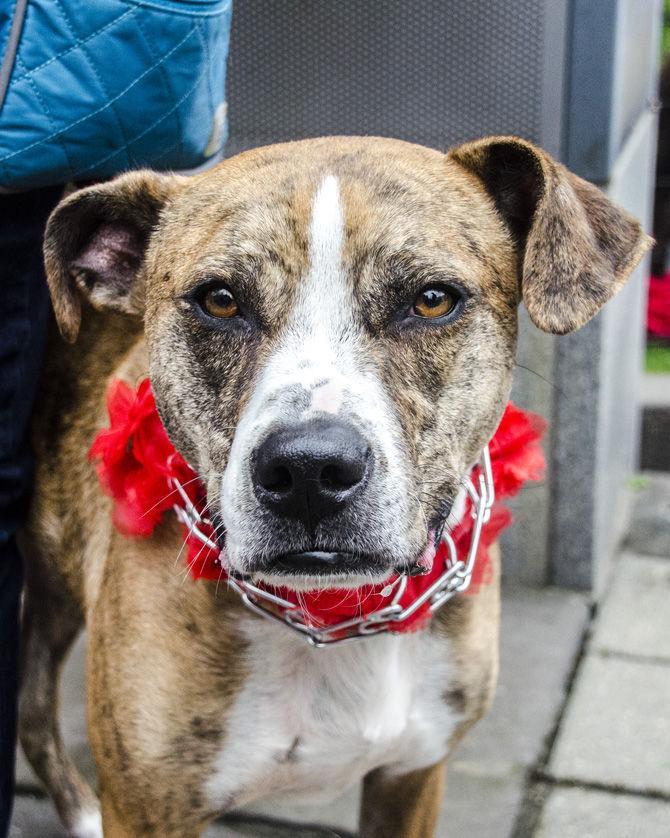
(402, 806)
(112, 823)
(117, 825)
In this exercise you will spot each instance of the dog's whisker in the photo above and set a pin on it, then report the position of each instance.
(218, 582)
(166, 496)
(183, 485)
(184, 543)
(540, 376)
(191, 564)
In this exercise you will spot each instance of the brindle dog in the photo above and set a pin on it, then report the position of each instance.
(356, 296)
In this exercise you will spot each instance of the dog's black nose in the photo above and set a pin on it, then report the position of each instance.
(310, 471)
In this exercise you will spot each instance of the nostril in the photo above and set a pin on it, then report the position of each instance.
(332, 478)
(277, 479)
(339, 477)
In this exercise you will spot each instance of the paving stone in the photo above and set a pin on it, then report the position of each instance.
(341, 812)
(230, 828)
(635, 618)
(480, 805)
(35, 818)
(616, 729)
(581, 813)
(541, 633)
(649, 528)
(654, 389)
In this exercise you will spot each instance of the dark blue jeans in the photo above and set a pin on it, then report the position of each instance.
(24, 314)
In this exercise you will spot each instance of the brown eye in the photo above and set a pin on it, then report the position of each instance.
(435, 301)
(219, 302)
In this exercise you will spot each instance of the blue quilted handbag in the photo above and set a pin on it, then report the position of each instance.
(89, 88)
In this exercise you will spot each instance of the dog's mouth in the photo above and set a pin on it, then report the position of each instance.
(320, 569)
(320, 563)
(336, 568)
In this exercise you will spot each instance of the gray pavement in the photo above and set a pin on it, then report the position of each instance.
(655, 389)
(649, 531)
(609, 768)
(581, 813)
(616, 731)
(635, 618)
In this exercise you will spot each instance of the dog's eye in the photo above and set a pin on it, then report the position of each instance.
(218, 301)
(434, 301)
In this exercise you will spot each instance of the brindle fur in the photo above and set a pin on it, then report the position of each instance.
(497, 216)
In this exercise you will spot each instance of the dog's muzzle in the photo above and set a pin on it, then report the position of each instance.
(454, 576)
(308, 475)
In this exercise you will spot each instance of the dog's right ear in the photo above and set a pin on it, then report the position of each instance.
(95, 243)
(576, 247)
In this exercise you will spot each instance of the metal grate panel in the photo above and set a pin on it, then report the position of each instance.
(434, 73)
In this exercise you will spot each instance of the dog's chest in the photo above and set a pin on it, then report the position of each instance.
(312, 722)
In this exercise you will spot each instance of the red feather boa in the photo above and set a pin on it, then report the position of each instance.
(135, 460)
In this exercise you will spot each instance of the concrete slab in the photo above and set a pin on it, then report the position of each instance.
(616, 729)
(270, 829)
(578, 813)
(342, 812)
(35, 818)
(541, 633)
(480, 805)
(635, 618)
(655, 389)
(649, 526)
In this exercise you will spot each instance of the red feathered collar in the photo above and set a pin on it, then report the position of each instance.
(136, 464)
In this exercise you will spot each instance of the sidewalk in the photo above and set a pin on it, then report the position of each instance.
(607, 773)
(577, 744)
(608, 770)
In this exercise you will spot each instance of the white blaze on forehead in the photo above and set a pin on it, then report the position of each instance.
(323, 303)
(326, 229)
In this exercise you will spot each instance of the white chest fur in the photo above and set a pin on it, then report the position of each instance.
(312, 722)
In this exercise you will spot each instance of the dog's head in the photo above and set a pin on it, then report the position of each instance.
(332, 324)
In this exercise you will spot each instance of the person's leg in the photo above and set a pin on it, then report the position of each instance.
(24, 314)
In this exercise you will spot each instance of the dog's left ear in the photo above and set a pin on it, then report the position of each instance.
(576, 247)
(95, 243)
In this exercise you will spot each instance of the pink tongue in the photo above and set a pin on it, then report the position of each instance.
(222, 558)
(427, 558)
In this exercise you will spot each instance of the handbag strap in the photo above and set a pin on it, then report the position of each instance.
(12, 45)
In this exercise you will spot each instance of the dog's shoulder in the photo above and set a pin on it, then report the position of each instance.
(68, 506)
